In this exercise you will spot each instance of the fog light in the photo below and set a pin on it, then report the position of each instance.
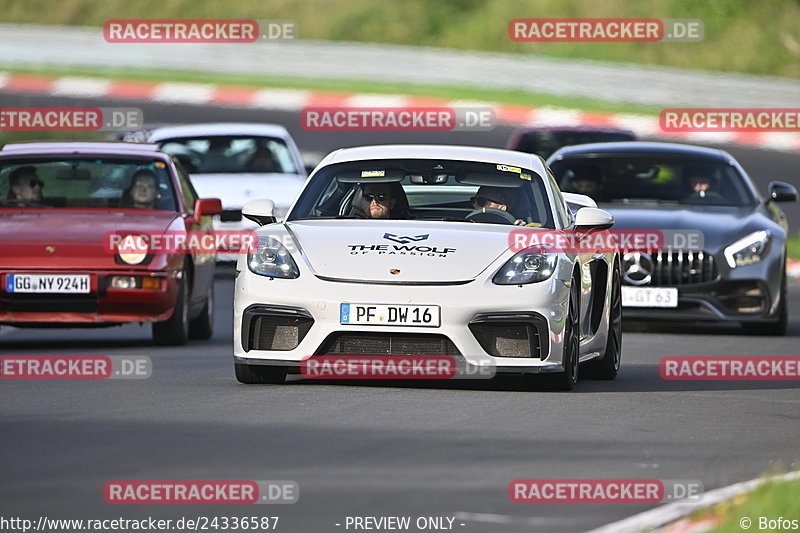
(122, 282)
(151, 283)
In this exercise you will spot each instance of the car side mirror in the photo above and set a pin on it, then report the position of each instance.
(260, 212)
(207, 206)
(593, 218)
(780, 191)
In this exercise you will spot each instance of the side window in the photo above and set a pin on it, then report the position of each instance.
(187, 191)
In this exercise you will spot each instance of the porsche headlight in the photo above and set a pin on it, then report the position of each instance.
(132, 249)
(271, 258)
(526, 267)
(748, 250)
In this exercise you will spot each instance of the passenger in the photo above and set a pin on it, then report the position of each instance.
(496, 197)
(24, 184)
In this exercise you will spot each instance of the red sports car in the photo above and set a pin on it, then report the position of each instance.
(60, 201)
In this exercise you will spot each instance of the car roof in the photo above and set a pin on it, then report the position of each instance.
(639, 147)
(81, 147)
(436, 151)
(219, 129)
(583, 128)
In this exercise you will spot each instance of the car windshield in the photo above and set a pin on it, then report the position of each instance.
(231, 154)
(86, 182)
(426, 190)
(545, 143)
(644, 179)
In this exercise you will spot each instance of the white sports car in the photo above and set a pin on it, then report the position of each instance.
(436, 277)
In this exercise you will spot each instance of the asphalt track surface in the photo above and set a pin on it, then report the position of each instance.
(383, 449)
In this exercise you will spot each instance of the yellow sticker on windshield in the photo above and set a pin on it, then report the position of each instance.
(506, 168)
(373, 173)
(159, 164)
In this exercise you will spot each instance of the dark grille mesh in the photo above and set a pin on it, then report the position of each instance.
(507, 339)
(279, 332)
(388, 344)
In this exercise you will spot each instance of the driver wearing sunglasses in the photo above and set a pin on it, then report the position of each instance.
(495, 197)
(377, 200)
(24, 184)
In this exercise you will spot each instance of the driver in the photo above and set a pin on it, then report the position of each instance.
(25, 184)
(496, 197)
(384, 200)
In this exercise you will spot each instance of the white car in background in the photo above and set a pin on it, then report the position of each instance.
(235, 162)
(300, 293)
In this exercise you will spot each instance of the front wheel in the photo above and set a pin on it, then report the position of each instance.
(175, 330)
(607, 367)
(202, 326)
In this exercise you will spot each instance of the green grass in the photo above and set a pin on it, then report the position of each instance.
(770, 501)
(760, 37)
(793, 246)
(435, 91)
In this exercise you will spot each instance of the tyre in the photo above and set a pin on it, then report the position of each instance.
(566, 380)
(202, 326)
(175, 330)
(259, 375)
(607, 367)
(778, 327)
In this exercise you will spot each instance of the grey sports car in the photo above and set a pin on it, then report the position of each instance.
(738, 273)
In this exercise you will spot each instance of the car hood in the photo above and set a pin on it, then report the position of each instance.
(720, 225)
(55, 238)
(399, 251)
(235, 190)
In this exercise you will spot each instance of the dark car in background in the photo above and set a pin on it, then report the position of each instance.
(740, 272)
(544, 140)
(60, 202)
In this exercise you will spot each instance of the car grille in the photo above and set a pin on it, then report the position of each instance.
(278, 332)
(671, 268)
(508, 339)
(387, 344)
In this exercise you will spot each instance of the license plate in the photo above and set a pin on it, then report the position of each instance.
(390, 315)
(649, 297)
(48, 283)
